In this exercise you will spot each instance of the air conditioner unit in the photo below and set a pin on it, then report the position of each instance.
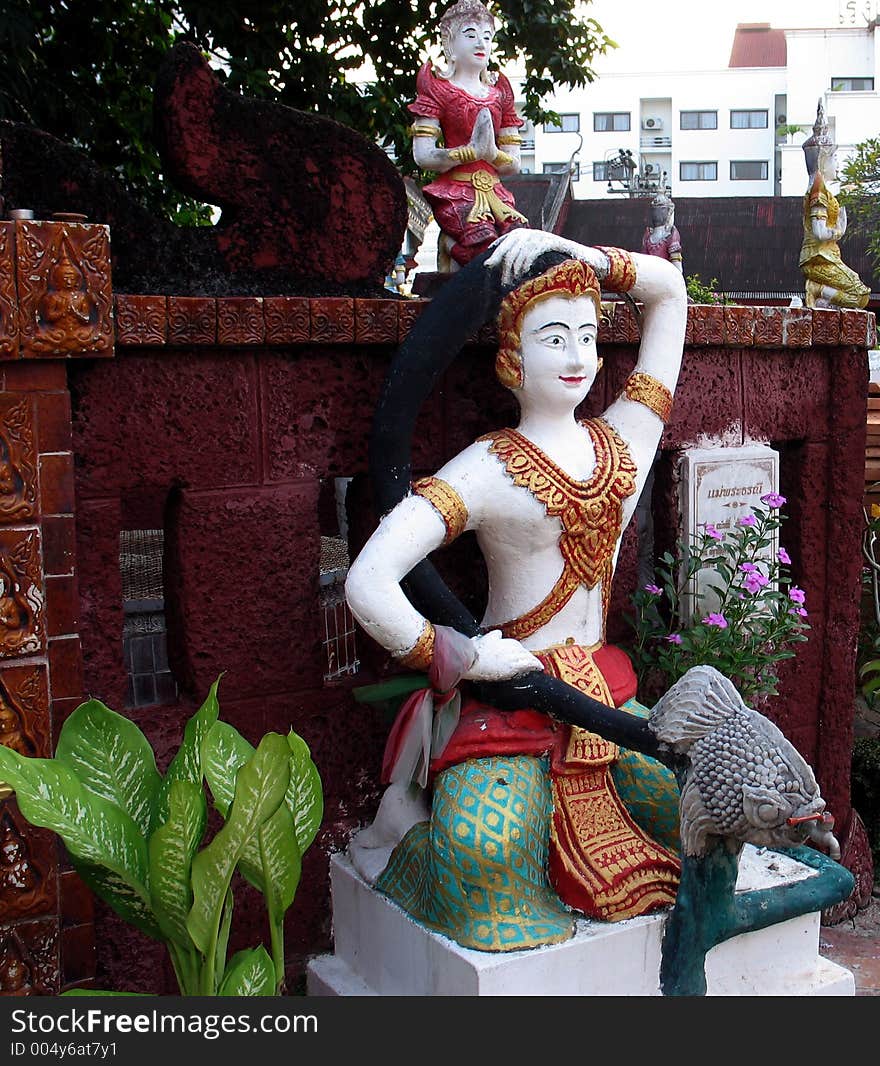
(652, 123)
(650, 168)
(781, 120)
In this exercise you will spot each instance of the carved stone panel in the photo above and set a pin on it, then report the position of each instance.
(24, 710)
(18, 470)
(29, 959)
(8, 303)
(28, 867)
(22, 598)
(64, 289)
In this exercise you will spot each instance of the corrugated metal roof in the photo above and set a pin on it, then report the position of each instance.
(756, 44)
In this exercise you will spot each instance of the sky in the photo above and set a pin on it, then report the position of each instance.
(698, 34)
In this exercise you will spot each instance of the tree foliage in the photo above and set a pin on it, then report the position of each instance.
(861, 193)
(83, 70)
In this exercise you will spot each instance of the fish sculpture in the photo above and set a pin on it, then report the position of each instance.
(742, 780)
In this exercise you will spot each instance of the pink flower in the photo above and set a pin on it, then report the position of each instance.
(796, 594)
(755, 581)
(713, 532)
(748, 568)
(748, 520)
(773, 499)
(716, 620)
(673, 638)
(655, 590)
(802, 611)
(783, 557)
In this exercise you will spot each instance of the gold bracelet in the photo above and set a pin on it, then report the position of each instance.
(644, 389)
(621, 270)
(421, 654)
(510, 138)
(502, 160)
(424, 131)
(464, 154)
(446, 502)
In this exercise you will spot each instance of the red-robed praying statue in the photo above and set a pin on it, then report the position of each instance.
(472, 110)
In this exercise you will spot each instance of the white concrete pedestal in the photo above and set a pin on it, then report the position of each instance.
(381, 951)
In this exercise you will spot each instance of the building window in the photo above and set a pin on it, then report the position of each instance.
(698, 120)
(562, 168)
(748, 170)
(698, 171)
(601, 172)
(567, 124)
(610, 121)
(748, 120)
(852, 85)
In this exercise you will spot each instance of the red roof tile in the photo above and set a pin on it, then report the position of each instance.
(755, 44)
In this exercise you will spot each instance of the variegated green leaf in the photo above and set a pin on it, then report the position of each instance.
(305, 794)
(171, 849)
(249, 973)
(95, 831)
(187, 763)
(118, 894)
(224, 752)
(112, 758)
(260, 787)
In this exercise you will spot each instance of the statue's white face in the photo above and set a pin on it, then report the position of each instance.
(471, 46)
(558, 345)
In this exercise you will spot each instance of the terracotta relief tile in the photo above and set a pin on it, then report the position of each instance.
(77, 901)
(854, 327)
(62, 606)
(288, 319)
(78, 954)
(64, 289)
(24, 710)
(50, 376)
(826, 326)
(192, 320)
(59, 544)
(739, 326)
(240, 320)
(56, 483)
(407, 313)
(18, 458)
(332, 319)
(797, 327)
(65, 669)
(768, 327)
(62, 710)
(8, 298)
(706, 324)
(54, 426)
(29, 959)
(22, 599)
(28, 867)
(624, 324)
(141, 320)
(375, 321)
(872, 329)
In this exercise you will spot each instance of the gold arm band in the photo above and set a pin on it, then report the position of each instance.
(510, 138)
(502, 160)
(424, 131)
(464, 154)
(421, 654)
(621, 271)
(642, 388)
(446, 502)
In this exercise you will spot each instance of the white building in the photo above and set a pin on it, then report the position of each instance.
(716, 132)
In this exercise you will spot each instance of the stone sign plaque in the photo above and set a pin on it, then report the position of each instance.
(719, 486)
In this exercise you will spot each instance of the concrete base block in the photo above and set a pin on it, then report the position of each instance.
(380, 950)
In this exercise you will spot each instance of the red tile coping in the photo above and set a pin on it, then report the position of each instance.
(175, 321)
